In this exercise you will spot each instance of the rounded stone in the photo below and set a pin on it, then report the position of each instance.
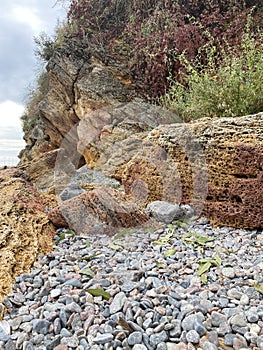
(192, 337)
(135, 338)
(228, 272)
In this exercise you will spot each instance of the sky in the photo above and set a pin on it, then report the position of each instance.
(20, 22)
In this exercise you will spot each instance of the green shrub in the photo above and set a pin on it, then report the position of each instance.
(228, 85)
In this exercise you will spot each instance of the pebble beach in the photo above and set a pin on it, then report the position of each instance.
(184, 286)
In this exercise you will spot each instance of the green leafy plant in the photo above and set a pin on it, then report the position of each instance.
(196, 239)
(206, 264)
(87, 271)
(166, 239)
(229, 84)
(64, 234)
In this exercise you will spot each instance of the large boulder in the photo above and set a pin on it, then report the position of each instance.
(100, 211)
(214, 164)
(25, 230)
(219, 166)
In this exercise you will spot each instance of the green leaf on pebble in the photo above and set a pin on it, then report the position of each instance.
(193, 238)
(99, 292)
(164, 240)
(87, 271)
(90, 257)
(204, 267)
(169, 253)
(160, 266)
(203, 278)
(115, 246)
(258, 287)
(87, 244)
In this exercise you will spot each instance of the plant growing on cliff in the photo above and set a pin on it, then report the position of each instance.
(152, 34)
(228, 85)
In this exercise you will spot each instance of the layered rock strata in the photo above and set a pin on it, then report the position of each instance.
(214, 164)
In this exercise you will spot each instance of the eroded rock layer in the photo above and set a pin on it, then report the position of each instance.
(215, 164)
(25, 230)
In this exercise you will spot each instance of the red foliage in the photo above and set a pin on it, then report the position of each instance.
(155, 32)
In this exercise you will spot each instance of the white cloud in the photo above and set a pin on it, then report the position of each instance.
(29, 16)
(10, 114)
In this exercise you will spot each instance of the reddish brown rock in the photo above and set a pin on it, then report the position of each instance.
(24, 226)
(100, 211)
(214, 164)
(219, 166)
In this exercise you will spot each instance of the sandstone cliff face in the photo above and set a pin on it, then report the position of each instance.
(25, 230)
(92, 114)
(79, 82)
(215, 164)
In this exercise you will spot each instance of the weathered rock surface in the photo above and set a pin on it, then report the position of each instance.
(100, 132)
(79, 81)
(215, 164)
(25, 230)
(100, 211)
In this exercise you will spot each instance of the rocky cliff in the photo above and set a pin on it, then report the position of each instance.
(92, 115)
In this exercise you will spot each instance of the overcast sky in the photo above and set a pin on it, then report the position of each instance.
(20, 21)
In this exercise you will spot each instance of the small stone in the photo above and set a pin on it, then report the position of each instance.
(10, 345)
(74, 282)
(199, 328)
(55, 293)
(260, 342)
(228, 339)
(41, 326)
(234, 293)
(117, 302)
(238, 320)
(157, 338)
(218, 318)
(180, 346)
(135, 338)
(103, 338)
(244, 300)
(163, 211)
(65, 333)
(239, 342)
(161, 346)
(139, 347)
(176, 331)
(228, 272)
(192, 337)
(70, 341)
(209, 346)
(252, 316)
(61, 347)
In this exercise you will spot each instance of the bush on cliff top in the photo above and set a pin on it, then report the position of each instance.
(154, 33)
(231, 89)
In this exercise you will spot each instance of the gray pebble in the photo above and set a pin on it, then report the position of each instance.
(192, 337)
(135, 338)
(103, 338)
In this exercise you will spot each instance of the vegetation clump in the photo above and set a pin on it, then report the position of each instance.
(198, 58)
(153, 34)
